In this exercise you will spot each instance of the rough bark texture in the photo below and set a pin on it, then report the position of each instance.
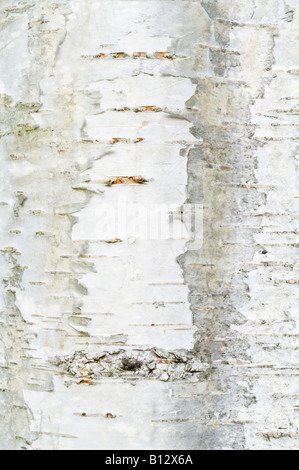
(123, 342)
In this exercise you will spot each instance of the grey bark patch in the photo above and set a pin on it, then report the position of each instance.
(153, 363)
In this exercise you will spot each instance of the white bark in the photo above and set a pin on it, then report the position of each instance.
(111, 340)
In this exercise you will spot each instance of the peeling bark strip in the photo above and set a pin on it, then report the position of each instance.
(141, 109)
(183, 348)
(126, 180)
(137, 55)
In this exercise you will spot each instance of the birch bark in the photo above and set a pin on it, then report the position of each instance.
(113, 337)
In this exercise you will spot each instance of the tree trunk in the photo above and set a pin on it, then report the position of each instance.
(126, 323)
